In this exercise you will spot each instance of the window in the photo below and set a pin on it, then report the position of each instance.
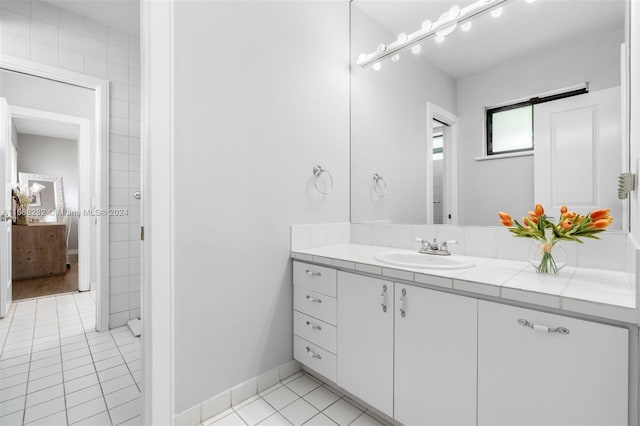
(438, 153)
(510, 127)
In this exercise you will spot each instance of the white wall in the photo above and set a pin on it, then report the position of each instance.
(261, 96)
(388, 127)
(45, 155)
(42, 33)
(507, 184)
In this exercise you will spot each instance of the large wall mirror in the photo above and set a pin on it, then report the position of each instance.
(47, 198)
(557, 69)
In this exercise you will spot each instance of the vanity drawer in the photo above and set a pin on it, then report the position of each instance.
(316, 278)
(315, 357)
(315, 331)
(315, 304)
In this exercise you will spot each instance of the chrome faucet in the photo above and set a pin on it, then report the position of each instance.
(433, 248)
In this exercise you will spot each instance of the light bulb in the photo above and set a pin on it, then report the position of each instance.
(395, 58)
(403, 37)
(496, 12)
(447, 30)
(362, 57)
(454, 12)
(439, 38)
(381, 48)
(427, 25)
(377, 66)
(416, 49)
(466, 26)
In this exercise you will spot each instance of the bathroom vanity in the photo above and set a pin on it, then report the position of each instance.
(451, 347)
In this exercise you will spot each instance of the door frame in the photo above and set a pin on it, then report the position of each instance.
(450, 176)
(100, 157)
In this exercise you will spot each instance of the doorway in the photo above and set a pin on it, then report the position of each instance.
(45, 168)
(90, 217)
(442, 169)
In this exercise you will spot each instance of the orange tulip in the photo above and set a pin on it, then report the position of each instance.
(532, 214)
(504, 216)
(507, 222)
(566, 224)
(539, 210)
(563, 209)
(533, 220)
(599, 214)
(601, 223)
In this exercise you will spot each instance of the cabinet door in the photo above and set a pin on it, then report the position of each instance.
(365, 339)
(529, 376)
(435, 357)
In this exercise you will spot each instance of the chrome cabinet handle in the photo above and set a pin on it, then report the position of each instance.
(543, 328)
(6, 217)
(383, 298)
(403, 313)
(313, 326)
(313, 299)
(313, 274)
(313, 354)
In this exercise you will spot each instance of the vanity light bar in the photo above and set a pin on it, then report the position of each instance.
(445, 24)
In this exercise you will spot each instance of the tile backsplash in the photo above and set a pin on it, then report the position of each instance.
(614, 251)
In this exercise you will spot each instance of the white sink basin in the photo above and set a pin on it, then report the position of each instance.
(419, 260)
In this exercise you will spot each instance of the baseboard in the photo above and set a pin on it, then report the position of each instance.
(235, 395)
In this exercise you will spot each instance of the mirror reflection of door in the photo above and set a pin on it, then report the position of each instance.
(439, 195)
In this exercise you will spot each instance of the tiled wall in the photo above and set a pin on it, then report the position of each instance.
(42, 33)
(614, 251)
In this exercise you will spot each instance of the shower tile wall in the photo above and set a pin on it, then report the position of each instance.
(42, 33)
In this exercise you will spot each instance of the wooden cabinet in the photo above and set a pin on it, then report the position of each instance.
(365, 339)
(530, 372)
(435, 357)
(38, 250)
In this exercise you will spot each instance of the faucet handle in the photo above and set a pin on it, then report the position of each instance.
(444, 245)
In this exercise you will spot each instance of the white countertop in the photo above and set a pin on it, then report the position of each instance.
(596, 292)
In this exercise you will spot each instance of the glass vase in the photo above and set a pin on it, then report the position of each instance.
(21, 215)
(547, 257)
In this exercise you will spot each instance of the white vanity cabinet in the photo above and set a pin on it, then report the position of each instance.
(365, 339)
(530, 376)
(435, 357)
(314, 317)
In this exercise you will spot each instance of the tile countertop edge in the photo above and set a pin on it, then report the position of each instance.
(359, 258)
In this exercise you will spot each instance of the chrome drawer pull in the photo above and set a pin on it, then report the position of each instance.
(313, 326)
(313, 354)
(401, 303)
(314, 299)
(543, 328)
(383, 298)
(313, 274)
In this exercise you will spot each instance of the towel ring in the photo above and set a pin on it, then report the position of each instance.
(379, 185)
(318, 171)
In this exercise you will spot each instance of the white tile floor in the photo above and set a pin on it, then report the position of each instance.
(55, 369)
(297, 400)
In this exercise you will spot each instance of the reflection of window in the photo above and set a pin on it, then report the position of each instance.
(510, 127)
(438, 153)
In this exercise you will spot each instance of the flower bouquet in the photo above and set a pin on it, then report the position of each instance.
(22, 201)
(570, 227)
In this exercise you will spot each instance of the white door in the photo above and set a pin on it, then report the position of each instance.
(577, 159)
(529, 376)
(435, 357)
(5, 207)
(365, 339)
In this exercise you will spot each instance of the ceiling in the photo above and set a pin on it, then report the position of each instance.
(54, 129)
(123, 15)
(522, 28)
